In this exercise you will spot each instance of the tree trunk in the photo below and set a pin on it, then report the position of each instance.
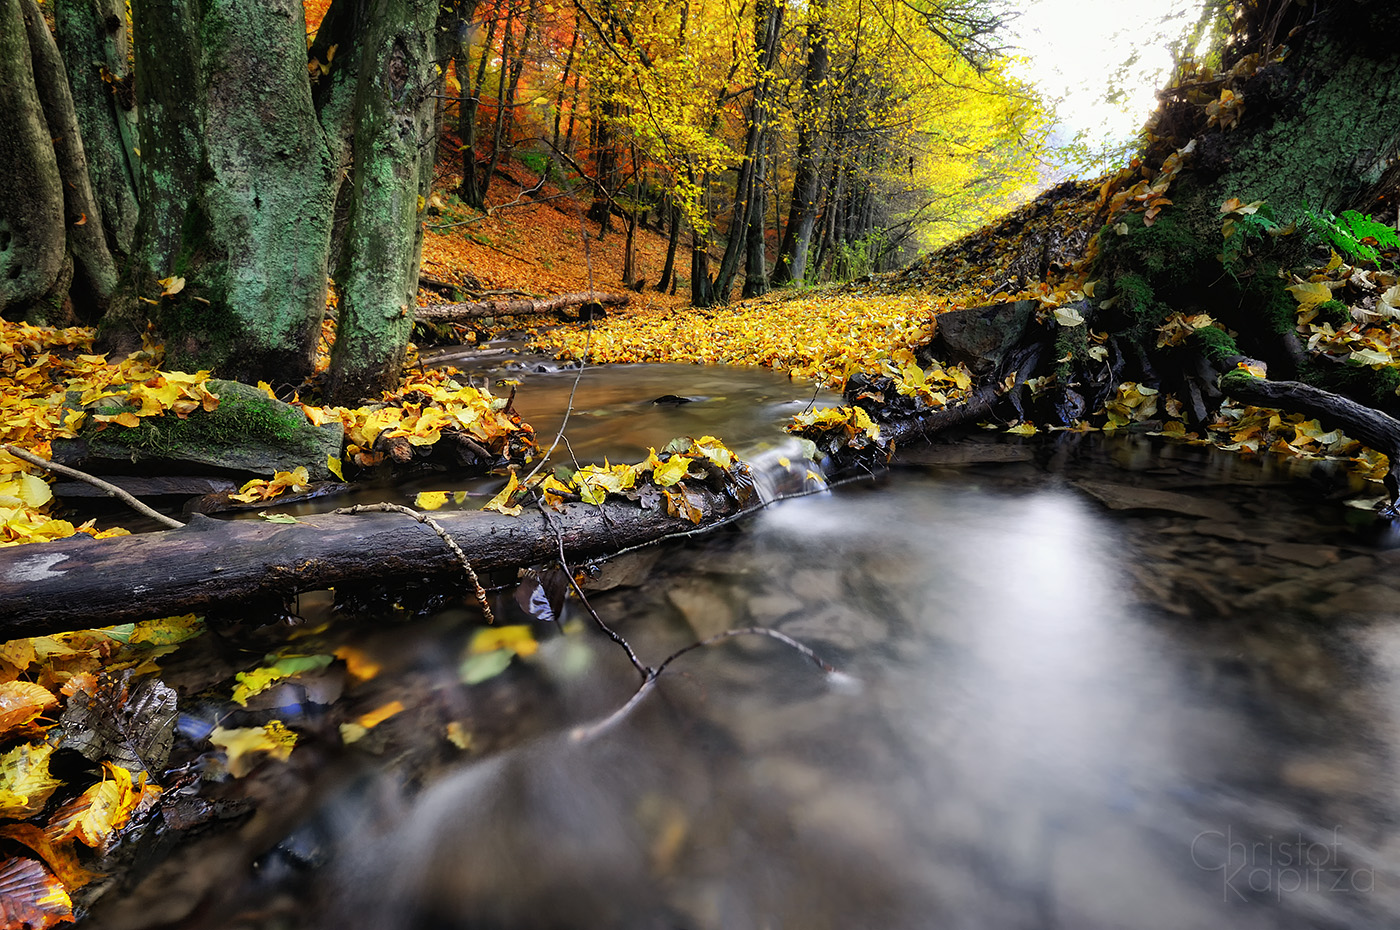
(476, 310)
(802, 213)
(668, 273)
(32, 243)
(94, 271)
(471, 192)
(378, 278)
(505, 98)
(92, 38)
(768, 19)
(237, 190)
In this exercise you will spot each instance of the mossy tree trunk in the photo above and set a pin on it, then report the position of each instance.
(32, 242)
(237, 188)
(378, 277)
(93, 40)
(94, 269)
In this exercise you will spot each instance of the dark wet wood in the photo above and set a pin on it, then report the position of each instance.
(215, 565)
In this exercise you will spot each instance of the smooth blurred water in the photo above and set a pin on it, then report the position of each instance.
(1047, 713)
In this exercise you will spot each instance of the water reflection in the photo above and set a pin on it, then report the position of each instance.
(1038, 740)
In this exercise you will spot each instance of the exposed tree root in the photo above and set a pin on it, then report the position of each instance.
(1365, 424)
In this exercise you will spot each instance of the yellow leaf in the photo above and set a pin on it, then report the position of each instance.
(172, 286)
(1311, 293)
(25, 783)
(517, 639)
(1023, 429)
(500, 503)
(244, 746)
(21, 703)
(24, 489)
(333, 465)
(671, 471)
(267, 389)
(430, 500)
(102, 809)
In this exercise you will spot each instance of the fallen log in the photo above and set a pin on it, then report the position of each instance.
(475, 310)
(215, 565)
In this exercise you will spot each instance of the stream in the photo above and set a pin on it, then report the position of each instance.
(1081, 682)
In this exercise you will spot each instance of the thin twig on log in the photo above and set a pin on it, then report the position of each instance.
(110, 489)
(442, 533)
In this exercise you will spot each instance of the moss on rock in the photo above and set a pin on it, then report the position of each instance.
(248, 433)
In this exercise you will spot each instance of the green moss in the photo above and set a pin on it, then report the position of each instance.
(1214, 343)
(1375, 387)
(1334, 312)
(1276, 309)
(239, 419)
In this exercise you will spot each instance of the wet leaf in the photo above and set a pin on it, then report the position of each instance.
(258, 680)
(59, 857)
(134, 728)
(103, 809)
(245, 747)
(501, 502)
(21, 703)
(478, 668)
(430, 500)
(517, 639)
(30, 897)
(25, 783)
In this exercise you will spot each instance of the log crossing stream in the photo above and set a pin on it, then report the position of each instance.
(1083, 682)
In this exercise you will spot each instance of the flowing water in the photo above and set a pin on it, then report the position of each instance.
(1082, 682)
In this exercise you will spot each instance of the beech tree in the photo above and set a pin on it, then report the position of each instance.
(221, 207)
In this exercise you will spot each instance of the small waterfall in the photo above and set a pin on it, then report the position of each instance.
(784, 469)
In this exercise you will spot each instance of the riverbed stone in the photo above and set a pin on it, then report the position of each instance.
(766, 608)
(706, 611)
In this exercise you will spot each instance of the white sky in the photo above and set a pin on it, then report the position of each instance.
(1074, 46)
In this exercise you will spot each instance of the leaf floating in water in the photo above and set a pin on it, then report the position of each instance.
(133, 727)
(244, 746)
(260, 679)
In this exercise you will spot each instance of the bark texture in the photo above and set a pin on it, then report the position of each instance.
(237, 188)
(32, 248)
(378, 275)
(95, 271)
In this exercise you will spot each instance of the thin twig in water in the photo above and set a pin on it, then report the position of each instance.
(111, 489)
(442, 534)
(579, 734)
(612, 634)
